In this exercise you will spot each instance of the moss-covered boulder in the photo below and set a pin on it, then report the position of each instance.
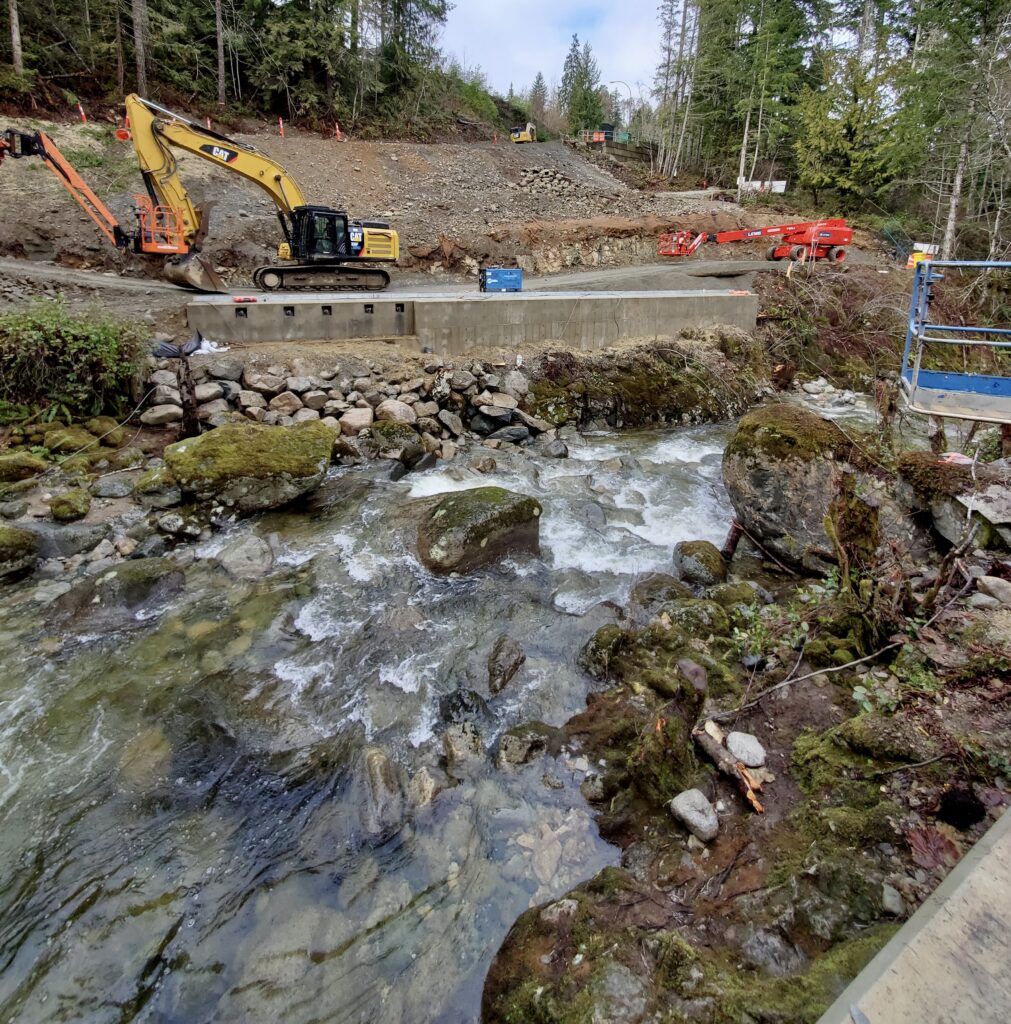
(157, 488)
(68, 440)
(71, 505)
(108, 431)
(696, 617)
(19, 551)
(467, 529)
(782, 469)
(699, 563)
(16, 466)
(252, 467)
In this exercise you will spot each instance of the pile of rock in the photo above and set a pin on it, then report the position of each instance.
(821, 392)
(545, 181)
(440, 403)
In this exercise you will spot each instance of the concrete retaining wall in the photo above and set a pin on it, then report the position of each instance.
(454, 324)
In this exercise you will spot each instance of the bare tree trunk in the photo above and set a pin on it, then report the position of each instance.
(744, 154)
(17, 59)
(139, 11)
(948, 243)
(220, 31)
(353, 42)
(120, 63)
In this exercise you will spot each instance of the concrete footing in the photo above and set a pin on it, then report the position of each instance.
(450, 324)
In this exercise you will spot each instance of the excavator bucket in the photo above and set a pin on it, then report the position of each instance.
(193, 270)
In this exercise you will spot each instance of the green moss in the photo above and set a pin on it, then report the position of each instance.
(697, 617)
(108, 430)
(822, 761)
(932, 479)
(788, 431)
(674, 959)
(662, 761)
(154, 481)
(884, 739)
(70, 505)
(699, 562)
(468, 528)
(20, 466)
(799, 998)
(552, 403)
(595, 657)
(251, 450)
(68, 440)
(393, 435)
(856, 826)
(18, 550)
(733, 595)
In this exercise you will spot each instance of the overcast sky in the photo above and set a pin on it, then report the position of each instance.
(511, 40)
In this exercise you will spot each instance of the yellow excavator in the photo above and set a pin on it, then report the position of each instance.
(323, 248)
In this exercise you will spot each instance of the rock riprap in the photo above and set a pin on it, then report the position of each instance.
(467, 529)
(252, 467)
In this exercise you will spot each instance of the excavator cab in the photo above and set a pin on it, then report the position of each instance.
(320, 235)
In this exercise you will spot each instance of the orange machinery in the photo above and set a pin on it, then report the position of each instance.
(816, 239)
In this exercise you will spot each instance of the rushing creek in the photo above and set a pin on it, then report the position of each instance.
(186, 827)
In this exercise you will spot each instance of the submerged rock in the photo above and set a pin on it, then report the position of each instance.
(462, 744)
(504, 662)
(467, 529)
(250, 466)
(383, 808)
(523, 743)
(699, 563)
(247, 557)
(157, 489)
(65, 541)
(122, 591)
(19, 551)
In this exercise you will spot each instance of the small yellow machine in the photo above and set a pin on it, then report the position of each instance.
(528, 134)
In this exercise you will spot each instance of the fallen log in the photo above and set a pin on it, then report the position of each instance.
(728, 765)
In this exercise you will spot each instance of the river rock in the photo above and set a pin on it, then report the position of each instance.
(70, 505)
(523, 743)
(462, 705)
(383, 808)
(462, 744)
(161, 415)
(164, 395)
(247, 557)
(157, 488)
(208, 392)
(451, 422)
(16, 466)
(315, 399)
(699, 563)
(164, 378)
(425, 785)
(250, 466)
(504, 662)
(782, 469)
(696, 813)
(746, 748)
(555, 449)
(287, 403)
(56, 541)
(19, 551)
(124, 589)
(619, 995)
(224, 368)
(118, 485)
(251, 400)
(996, 588)
(514, 434)
(394, 411)
(467, 529)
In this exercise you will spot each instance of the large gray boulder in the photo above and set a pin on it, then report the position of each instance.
(466, 529)
(250, 466)
(782, 469)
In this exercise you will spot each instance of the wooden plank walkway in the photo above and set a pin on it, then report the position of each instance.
(951, 962)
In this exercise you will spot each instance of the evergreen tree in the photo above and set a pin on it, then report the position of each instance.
(538, 98)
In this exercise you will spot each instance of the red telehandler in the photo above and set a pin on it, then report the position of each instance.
(816, 239)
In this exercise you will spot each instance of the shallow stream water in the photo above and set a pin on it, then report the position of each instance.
(187, 831)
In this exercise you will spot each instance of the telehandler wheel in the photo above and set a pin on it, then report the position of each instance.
(771, 254)
(837, 254)
(799, 253)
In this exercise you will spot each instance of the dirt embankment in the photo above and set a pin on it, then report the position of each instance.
(544, 207)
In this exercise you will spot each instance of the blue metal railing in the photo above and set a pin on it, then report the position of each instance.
(944, 392)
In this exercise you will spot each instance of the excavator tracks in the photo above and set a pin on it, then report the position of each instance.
(320, 278)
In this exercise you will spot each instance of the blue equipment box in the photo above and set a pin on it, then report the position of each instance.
(501, 279)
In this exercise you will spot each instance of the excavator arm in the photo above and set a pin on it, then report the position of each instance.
(17, 145)
(156, 130)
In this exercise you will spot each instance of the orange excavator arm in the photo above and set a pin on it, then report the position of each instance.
(17, 144)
